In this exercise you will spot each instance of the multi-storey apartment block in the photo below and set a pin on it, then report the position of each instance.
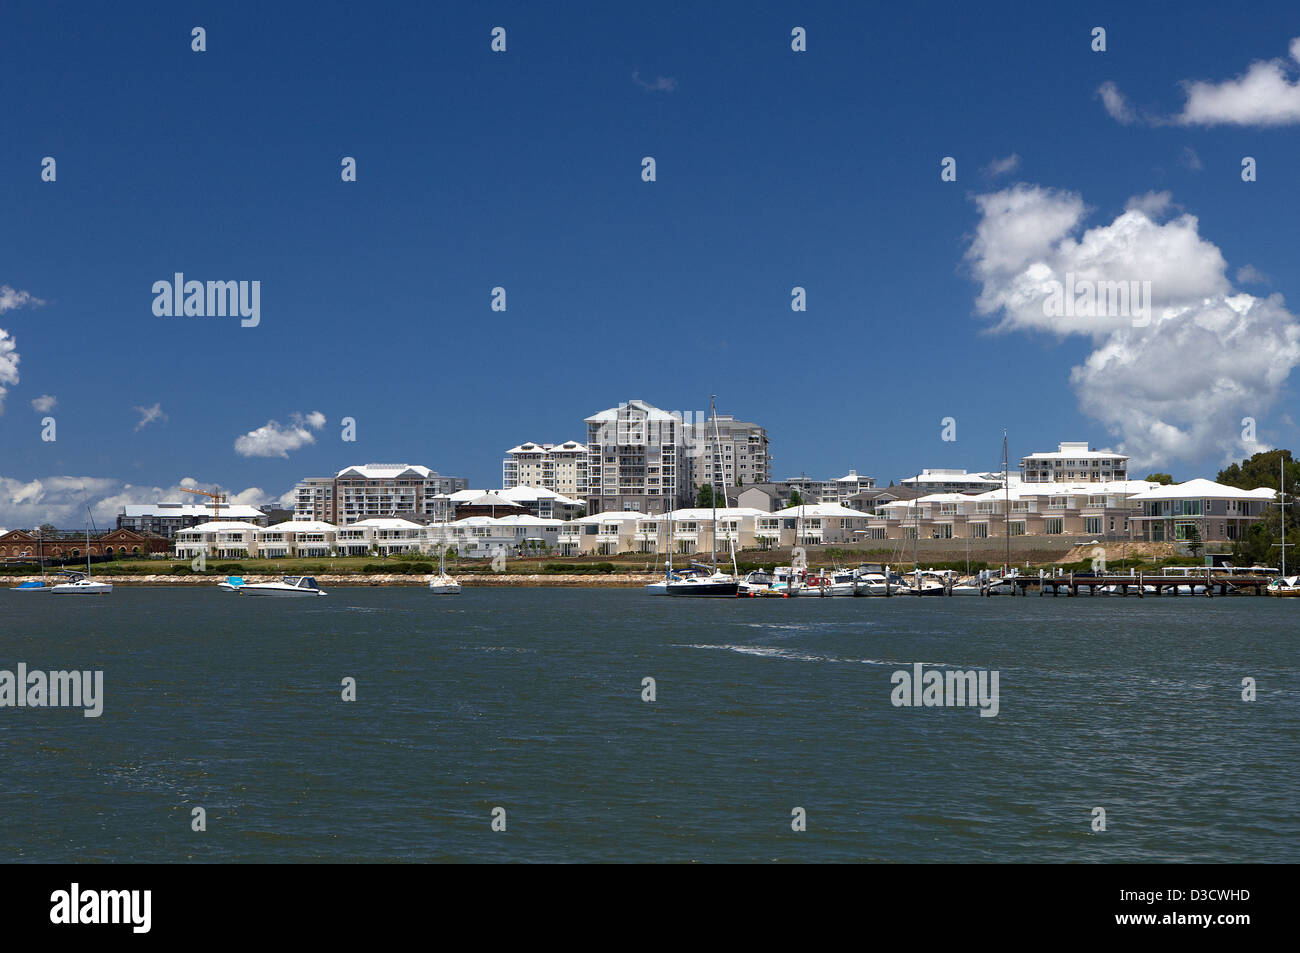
(1074, 463)
(743, 456)
(637, 460)
(373, 490)
(559, 467)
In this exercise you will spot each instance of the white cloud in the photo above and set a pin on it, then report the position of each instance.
(1250, 275)
(1003, 166)
(660, 84)
(11, 299)
(1191, 160)
(45, 403)
(1174, 389)
(1116, 104)
(148, 415)
(1151, 204)
(1264, 95)
(276, 440)
(59, 499)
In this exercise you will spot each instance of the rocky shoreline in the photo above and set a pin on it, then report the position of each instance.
(468, 581)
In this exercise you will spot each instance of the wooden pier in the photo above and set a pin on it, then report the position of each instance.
(1216, 584)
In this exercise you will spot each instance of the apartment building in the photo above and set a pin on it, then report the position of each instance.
(561, 468)
(637, 460)
(371, 491)
(1074, 463)
(742, 457)
(166, 519)
(1212, 510)
(836, 490)
(943, 480)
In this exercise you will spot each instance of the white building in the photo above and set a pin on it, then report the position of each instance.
(637, 460)
(1074, 463)
(219, 539)
(373, 490)
(296, 538)
(945, 480)
(743, 455)
(561, 468)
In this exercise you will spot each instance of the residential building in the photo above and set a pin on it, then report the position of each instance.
(836, 490)
(1074, 463)
(561, 468)
(743, 453)
(940, 480)
(219, 539)
(1213, 511)
(296, 538)
(636, 460)
(166, 518)
(373, 490)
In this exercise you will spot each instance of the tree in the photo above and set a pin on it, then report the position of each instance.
(47, 529)
(796, 498)
(1261, 470)
(1193, 539)
(704, 498)
(1162, 478)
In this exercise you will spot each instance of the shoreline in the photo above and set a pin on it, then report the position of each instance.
(543, 580)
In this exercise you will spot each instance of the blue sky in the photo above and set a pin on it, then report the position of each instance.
(522, 170)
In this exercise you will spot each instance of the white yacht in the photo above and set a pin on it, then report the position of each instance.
(80, 584)
(444, 585)
(232, 584)
(788, 580)
(291, 586)
(841, 582)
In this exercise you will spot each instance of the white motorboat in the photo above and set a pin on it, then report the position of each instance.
(1284, 586)
(789, 581)
(232, 584)
(80, 584)
(841, 582)
(291, 586)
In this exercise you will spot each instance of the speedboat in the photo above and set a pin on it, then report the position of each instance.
(789, 581)
(1284, 586)
(715, 584)
(36, 586)
(232, 584)
(755, 583)
(291, 586)
(928, 582)
(79, 584)
(444, 585)
(660, 588)
(842, 582)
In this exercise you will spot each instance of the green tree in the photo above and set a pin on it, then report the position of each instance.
(1261, 470)
(1162, 478)
(796, 498)
(704, 498)
(1194, 545)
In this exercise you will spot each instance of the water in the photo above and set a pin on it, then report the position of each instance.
(530, 699)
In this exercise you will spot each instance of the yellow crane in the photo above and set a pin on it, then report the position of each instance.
(217, 500)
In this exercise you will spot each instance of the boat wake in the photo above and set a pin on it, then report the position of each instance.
(772, 651)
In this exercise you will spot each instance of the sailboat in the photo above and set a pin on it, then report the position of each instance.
(35, 586)
(660, 587)
(716, 583)
(1284, 585)
(80, 583)
(443, 584)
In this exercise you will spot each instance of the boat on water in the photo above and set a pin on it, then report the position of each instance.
(789, 581)
(444, 585)
(1284, 586)
(715, 582)
(80, 584)
(926, 582)
(35, 585)
(290, 587)
(840, 582)
(232, 584)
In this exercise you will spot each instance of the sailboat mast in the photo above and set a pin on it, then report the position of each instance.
(1006, 496)
(1281, 490)
(713, 463)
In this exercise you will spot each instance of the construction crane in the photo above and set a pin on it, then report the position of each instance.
(217, 500)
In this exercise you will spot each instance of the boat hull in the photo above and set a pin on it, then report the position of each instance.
(90, 589)
(701, 589)
(288, 592)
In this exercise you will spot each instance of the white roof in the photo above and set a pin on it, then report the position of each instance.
(488, 499)
(1073, 451)
(706, 513)
(850, 477)
(569, 446)
(301, 526)
(385, 522)
(949, 476)
(385, 471)
(644, 410)
(527, 519)
(530, 494)
(1202, 489)
(224, 526)
(608, 517)
(236, 511)
(819, 509)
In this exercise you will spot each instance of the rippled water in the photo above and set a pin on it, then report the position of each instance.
(530, 699)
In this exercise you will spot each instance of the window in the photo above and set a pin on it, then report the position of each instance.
(1054, 526)
(1092, 524)
(1017, 527)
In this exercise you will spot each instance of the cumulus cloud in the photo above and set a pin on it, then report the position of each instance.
(1250, 275)
(10, 300)
(1173, 387)
(660, 84)
(1266, 94)
(45, 403)
(1003, 166)
(276, 440)
(59, 499)
(148, 415)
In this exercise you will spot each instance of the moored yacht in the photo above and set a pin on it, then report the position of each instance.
(80, 584)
